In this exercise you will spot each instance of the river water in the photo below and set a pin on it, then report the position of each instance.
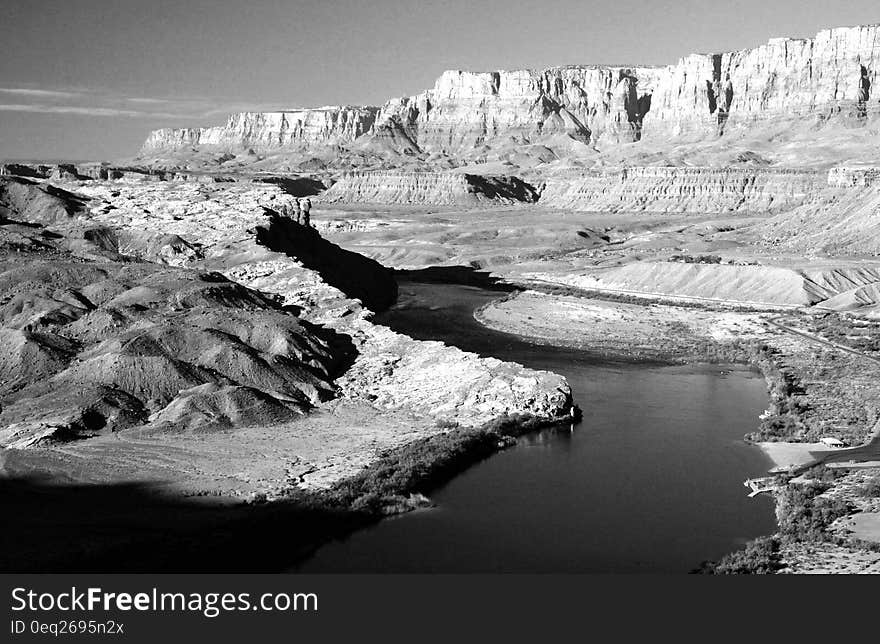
(649, 481)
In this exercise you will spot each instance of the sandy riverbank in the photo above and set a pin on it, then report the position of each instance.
(785, 454)
(649, 330)
(635, 331)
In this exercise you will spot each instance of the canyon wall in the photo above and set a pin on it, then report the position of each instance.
(829, 77)
(701, 94)
(703, 190)
(441, 188)
(465, 110)
(270, 130)
(833, 73)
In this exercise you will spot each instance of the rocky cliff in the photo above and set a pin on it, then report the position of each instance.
(819, 77)
(702, 94)
(442, 188)
(301, 129)
(831, 77)
(465, 110)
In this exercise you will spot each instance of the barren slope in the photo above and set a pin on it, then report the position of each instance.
(117, 368)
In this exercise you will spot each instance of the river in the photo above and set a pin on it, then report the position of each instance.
(649, 481)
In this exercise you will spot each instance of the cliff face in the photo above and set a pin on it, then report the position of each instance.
(702, 94)
(684, 190)
(465, 110)
(301, 129)
(466, 115)
(442, 188)
(787, 77)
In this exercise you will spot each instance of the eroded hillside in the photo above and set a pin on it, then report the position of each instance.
(169, 331)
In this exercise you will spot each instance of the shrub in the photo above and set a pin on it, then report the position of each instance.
(871, 489)
(759, 557)
(384, 486)
(803, 514)
(823, 474)
(786, 410)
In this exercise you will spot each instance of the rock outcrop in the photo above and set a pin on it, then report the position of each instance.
(355, 275)
(660, 189)
(108, 328)
(441, 188)
(260, 131)
(787, 78)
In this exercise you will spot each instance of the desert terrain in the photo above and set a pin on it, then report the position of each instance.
(167, 320)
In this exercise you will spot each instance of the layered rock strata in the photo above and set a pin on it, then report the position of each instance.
(465, 109)
(262, 131)
(704, 190)
(702, 96)
(443, 188)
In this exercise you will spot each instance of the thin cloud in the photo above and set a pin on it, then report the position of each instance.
(149, 101)
(86, 111)
(24, 91)
(109, 104)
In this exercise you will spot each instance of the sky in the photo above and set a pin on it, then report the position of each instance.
(89, 79)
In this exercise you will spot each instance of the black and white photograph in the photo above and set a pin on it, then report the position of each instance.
(569, 287)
